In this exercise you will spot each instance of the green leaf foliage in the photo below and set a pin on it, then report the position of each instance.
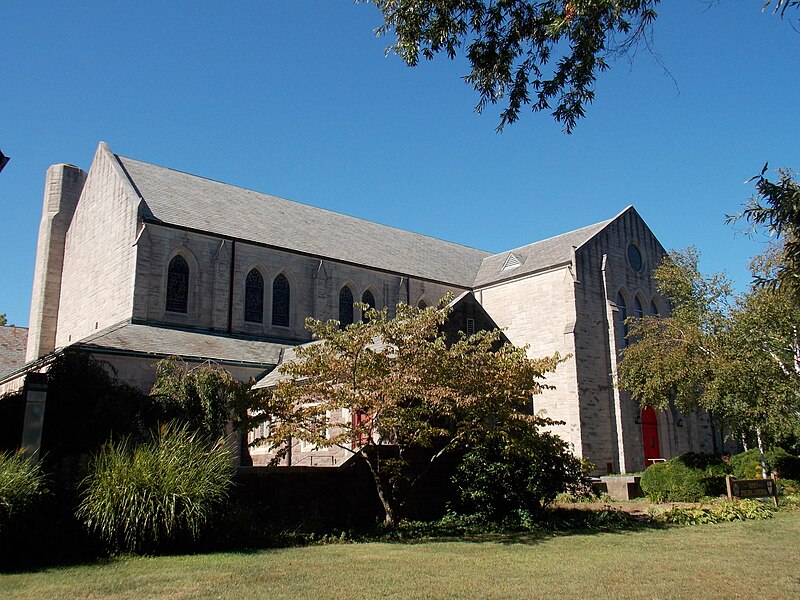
(747, 465)
(158, 494)
(734, 356)
(686, 478)
(502, 476)
(545, 55)
(775, 211)
(720, 512)
(205, 396)
(22, 489)
(409, 387)
(86, 404)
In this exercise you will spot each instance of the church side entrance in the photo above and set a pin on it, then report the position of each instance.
(650, 436)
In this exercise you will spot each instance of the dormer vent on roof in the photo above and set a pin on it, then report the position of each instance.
(512, 262)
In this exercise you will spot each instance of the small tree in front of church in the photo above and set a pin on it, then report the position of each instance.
(204, 396)
(399, 385)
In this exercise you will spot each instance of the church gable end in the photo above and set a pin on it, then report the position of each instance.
(99, 253)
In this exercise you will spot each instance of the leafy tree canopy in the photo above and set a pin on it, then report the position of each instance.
(775, 210)
(542, 53)
(3, 319)
(205, 396)
(737, 357)
(397, 383)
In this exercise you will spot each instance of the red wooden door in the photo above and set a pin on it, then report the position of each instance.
(650, 436)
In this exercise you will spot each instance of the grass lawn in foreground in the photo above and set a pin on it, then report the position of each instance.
(754, 559)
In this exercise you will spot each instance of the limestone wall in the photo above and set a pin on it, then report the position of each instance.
(99, 253)
(314, 283)
(539, 310)
(612, 439)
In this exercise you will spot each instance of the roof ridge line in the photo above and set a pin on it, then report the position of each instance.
(328, 210)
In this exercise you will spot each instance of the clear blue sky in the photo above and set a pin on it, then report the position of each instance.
(298, 100)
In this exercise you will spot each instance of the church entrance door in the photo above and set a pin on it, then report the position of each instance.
(650, 436)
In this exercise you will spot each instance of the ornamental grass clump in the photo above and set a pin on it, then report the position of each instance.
(22, 489)
(158, 494)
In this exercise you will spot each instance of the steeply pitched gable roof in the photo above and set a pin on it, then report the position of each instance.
(210, 206)
(537, 256)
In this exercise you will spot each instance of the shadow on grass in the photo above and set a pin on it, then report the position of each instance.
(554, 522)
(79, 549)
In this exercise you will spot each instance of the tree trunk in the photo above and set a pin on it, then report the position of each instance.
(388, 511)
(761, 453)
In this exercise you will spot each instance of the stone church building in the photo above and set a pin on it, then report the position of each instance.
(137, 262)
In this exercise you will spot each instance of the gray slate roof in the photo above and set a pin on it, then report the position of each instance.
(190, 201)
(166, 341)
(537, 256)
(13, 342)
(274, 377)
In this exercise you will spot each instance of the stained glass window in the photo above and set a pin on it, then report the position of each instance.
(280, 301)
(345, 306)
(178, 285)
(254, 297)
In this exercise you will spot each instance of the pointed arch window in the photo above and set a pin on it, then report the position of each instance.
(654, 309)
(178, 285)
(422, 304)
(280, 301)
(638, 311)
(254, 297)
(622, 311)
(368, 298)
(345, 306)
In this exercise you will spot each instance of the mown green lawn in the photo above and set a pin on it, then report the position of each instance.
(755, 559)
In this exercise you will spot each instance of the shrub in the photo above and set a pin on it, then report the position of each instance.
(747, 465)
(686, 478)
(22, 488)
(497, 479)
(158, 494)
(728, 510)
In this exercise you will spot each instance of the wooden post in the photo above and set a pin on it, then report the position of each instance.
(729, 486)
(775, 489)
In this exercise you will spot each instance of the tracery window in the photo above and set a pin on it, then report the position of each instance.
(345, 306)
(254, 297)
(178, 285)
(280, 301)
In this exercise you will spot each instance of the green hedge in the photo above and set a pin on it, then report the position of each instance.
(747, 465)
(686, 478)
